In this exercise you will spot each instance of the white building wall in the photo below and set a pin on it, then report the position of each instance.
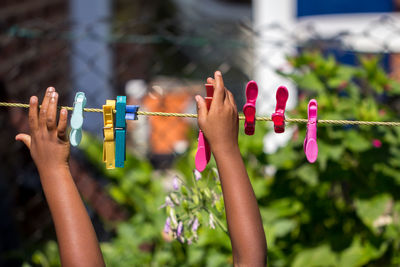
(271, 48)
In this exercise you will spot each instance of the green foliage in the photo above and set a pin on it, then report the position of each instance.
(348, 197)
(343, 210)
(190, 206)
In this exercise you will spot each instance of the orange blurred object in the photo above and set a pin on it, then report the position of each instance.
(166, 132)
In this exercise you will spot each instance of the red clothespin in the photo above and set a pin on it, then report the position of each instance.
(203, 153)
(282, 95)
(249, 109)
(310, 142)
(210, 94)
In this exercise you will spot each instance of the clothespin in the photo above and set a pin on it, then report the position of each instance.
(203, 153)
(131, 112)
(310, 142)
(282, 95)
(249, 109)
(120, 132)
(108, 130)
(75, 136)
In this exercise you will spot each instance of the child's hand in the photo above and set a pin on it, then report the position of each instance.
(220, 124)
(48, 143)
(220, 127)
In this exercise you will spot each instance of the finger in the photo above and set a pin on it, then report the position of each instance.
(202, 110)
(227, 97)
(62, 125)
(219, 88)
(210, 81)
(43, 108)
(33, 114)
(25, 138)
(52, 112)
(231, 97)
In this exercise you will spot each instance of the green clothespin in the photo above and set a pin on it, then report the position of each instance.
(75, 136)
(120, 132)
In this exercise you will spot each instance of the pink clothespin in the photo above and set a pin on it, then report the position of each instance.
(249, 109)
(310, 142)
(278, 117)
(203, 153)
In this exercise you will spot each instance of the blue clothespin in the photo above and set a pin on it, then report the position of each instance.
(75, 136)
(120, 132)
(131, 112)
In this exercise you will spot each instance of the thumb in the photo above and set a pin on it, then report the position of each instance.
(25, 138)
(202, 110)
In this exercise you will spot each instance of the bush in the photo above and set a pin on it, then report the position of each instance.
(342, 210)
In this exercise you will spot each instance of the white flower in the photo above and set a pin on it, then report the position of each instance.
(167, 226)
(168, 202)
(175, 183)
(197, 175)
(383, 220)
(211, 221)
(195, 225)
(179, 230)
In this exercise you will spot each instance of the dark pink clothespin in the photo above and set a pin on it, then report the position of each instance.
(278, 117)
(310, 142)
(249, 109)
(203, 153)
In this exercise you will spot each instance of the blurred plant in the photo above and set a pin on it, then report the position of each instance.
(47, 256)
(344, 210)
(190, 206)
(141, 240)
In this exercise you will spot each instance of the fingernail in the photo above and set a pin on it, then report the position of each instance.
(218, 73)
(51, 89)
(33, 100)
(53, 97)
(63, 111)
(197, 97)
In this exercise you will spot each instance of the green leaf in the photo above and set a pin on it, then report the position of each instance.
(310, 82)
(356, 142)
(359, 254)
(308, 174)
(283, 227)
(219, 205)
(117, 194)
(316, 257)
(369, 210)
(261, 188)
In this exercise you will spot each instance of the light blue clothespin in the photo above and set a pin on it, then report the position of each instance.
(75, 136)
(120, 132)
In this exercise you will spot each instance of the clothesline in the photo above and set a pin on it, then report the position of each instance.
(186, 115)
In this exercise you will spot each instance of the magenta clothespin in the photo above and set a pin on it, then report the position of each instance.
(282, 95)
(249, 109)
(203, 153)
(310, 142)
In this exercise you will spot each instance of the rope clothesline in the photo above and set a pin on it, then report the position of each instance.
(186, 115)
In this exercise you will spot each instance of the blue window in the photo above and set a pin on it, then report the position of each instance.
(321, 7)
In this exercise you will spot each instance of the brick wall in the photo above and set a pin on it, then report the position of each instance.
(29, 64)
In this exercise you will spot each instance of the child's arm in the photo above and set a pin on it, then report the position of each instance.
(220, 126)
(49, 147)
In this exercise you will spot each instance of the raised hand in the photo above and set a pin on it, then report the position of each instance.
(47, 142)
(220, 124)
